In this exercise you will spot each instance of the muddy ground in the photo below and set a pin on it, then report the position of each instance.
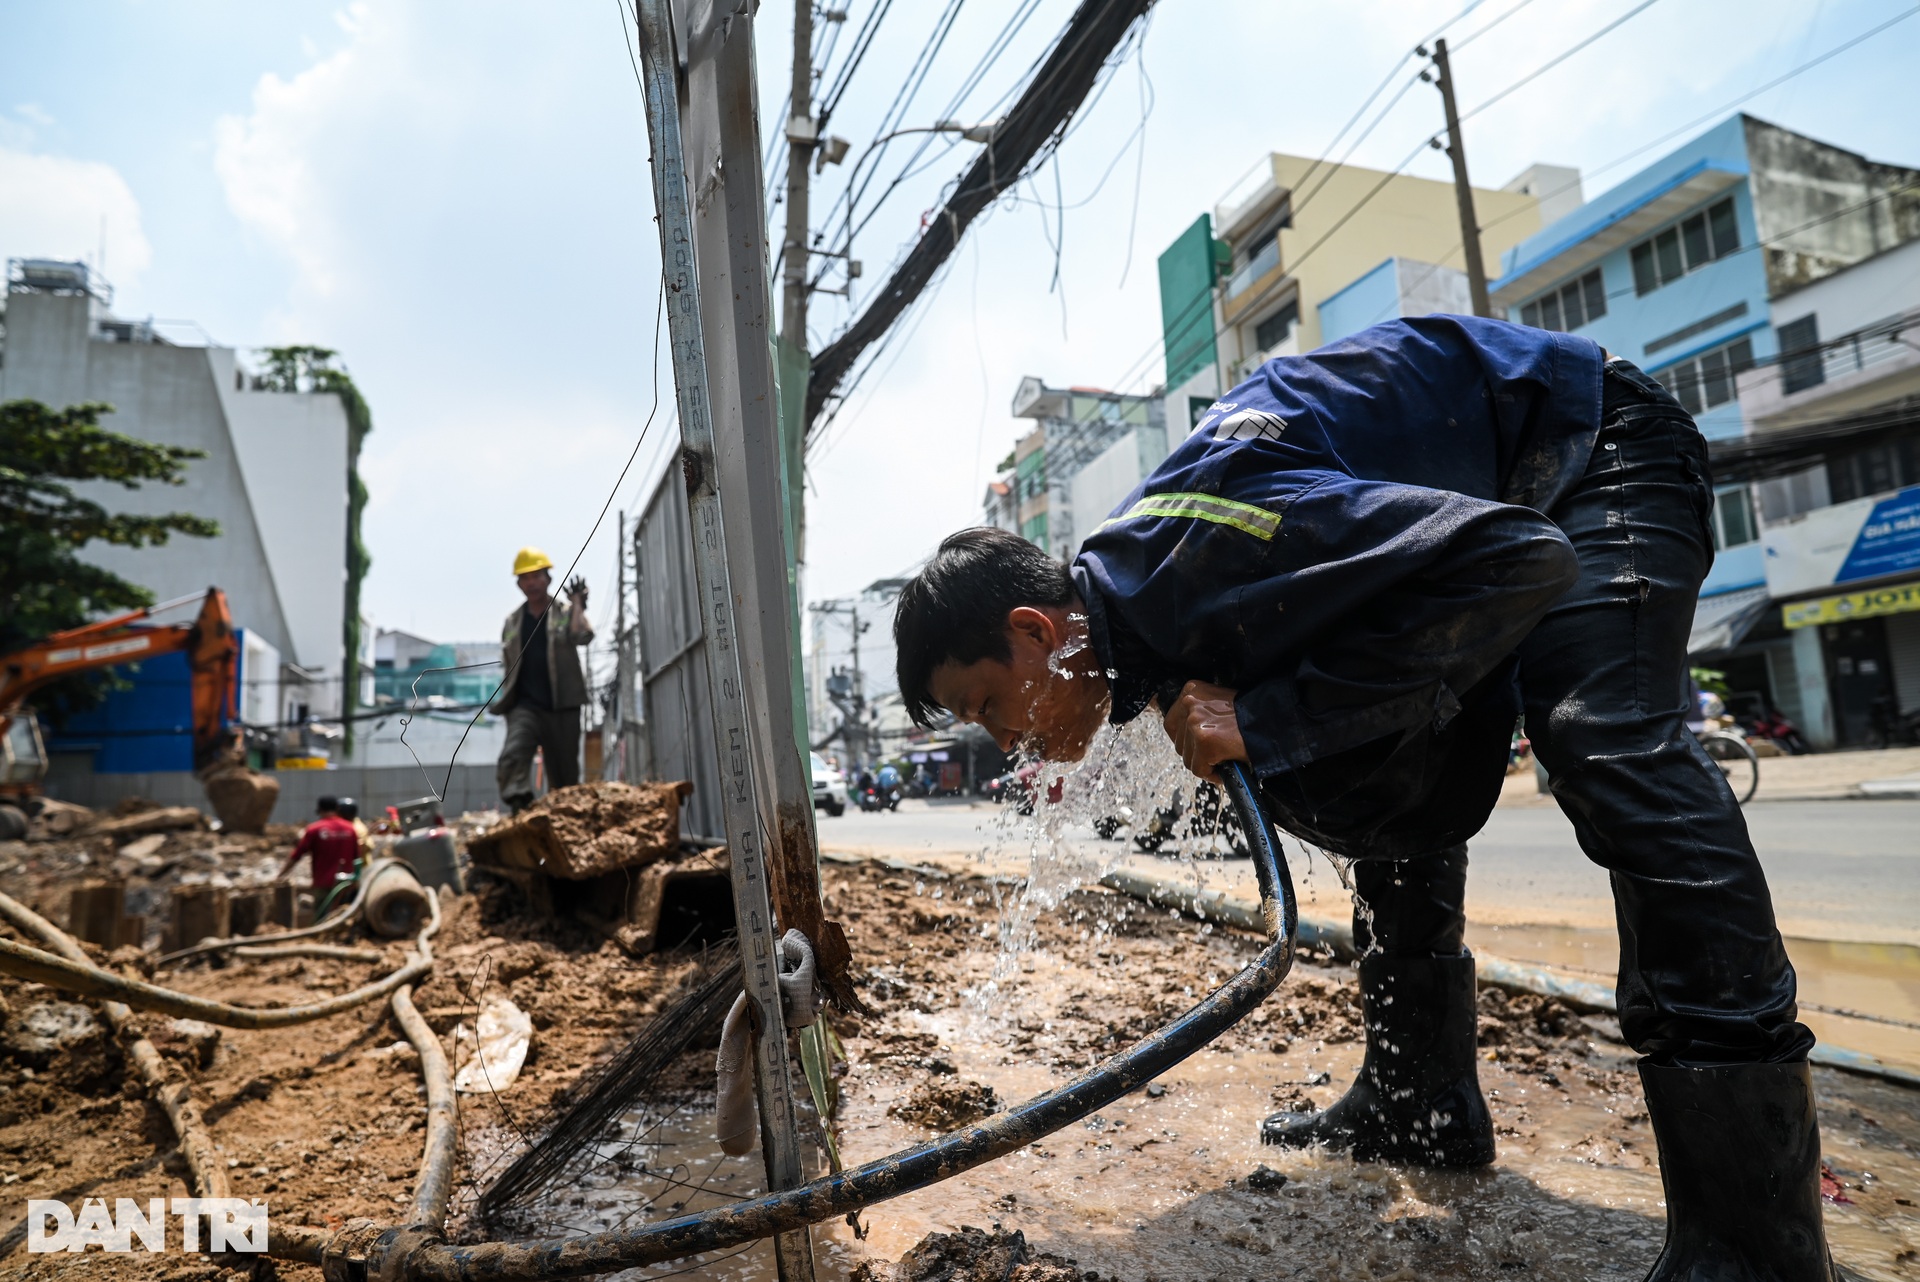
(326, 1123)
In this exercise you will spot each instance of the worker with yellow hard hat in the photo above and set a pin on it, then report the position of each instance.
(542, 688)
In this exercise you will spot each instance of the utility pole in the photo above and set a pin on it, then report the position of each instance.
(1463, 190)
(853, 712)
(622, 674)
(715, 256)
(802, 134)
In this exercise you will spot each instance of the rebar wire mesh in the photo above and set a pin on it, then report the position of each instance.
(616, 1133)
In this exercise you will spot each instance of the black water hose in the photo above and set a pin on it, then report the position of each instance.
(369, 1251)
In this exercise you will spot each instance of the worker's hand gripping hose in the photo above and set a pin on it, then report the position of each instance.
(392, 1253)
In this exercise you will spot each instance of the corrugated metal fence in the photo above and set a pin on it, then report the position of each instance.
(675, 704)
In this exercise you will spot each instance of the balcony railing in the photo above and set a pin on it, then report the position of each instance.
(1769, 385)
(1259, 265)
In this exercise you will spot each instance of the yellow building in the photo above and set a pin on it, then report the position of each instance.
(1299, 255)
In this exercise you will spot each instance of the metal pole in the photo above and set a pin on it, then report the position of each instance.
(801, 139)
(859, 682)
(740, 790)
(1462, 189)
(622, 675)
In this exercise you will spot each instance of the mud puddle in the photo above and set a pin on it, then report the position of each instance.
(654, 1164)
(1157, 1185)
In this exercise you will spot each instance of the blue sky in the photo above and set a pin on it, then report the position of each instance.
(455, 196)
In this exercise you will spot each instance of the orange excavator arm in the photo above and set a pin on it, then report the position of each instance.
(212, 656)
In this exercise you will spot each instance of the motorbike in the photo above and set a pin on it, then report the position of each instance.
(1206, 817)
(874, 797)
(1773, 726)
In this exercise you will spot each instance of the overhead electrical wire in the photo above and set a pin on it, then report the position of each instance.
(913, 166)
(1553, 62)
(1136, 368)
(1049, 105)
(1134, 372)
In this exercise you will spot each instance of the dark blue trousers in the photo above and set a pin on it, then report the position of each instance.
(1704, 978)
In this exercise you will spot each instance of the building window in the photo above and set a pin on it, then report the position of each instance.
(1801, 365)
(1874, 469)
(1570, 306)
(1273, 331)
(1704, 381)
(1733, 519)
(1694, 242)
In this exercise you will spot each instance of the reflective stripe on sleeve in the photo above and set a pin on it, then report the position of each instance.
(1256, 521)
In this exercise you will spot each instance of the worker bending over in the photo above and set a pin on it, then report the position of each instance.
(542, 689)
(331, 846)
(1357, 571)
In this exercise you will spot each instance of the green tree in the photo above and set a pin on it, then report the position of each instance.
(44, 585)
(304, 368)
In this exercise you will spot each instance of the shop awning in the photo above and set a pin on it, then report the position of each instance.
(1719, 622)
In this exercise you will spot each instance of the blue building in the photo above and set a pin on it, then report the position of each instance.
(1682, 269)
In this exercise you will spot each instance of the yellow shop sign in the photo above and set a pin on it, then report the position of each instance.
(1852, 605)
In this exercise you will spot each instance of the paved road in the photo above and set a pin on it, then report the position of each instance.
(1846, 870)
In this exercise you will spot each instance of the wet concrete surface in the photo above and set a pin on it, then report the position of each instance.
(1845, 877)
(1847, 870)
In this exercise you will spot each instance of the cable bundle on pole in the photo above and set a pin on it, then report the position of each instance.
(1048, 103)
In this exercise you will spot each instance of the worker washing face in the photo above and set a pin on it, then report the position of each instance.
(542, 689)
(1356, 572)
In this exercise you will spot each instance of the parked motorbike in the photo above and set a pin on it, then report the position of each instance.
(1206, 817)
(1771, 725)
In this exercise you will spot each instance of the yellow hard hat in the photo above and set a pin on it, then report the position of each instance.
(527, 560)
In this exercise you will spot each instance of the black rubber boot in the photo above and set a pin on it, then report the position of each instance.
(1740, 1161)
(1417, 1098)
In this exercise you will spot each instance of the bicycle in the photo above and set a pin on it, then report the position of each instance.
(1736, 758)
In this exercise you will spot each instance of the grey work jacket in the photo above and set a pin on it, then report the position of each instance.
(563, 663)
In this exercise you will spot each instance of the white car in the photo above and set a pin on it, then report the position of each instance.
(829, 787)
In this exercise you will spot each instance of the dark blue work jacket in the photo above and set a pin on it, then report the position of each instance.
(1355, 541)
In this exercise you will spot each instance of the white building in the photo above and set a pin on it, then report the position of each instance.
(1833, 455)
(1089, 448)
(274, 476)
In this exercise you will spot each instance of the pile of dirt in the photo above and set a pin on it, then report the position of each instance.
(974, 1255)
(587, 830)
(325, 1121)
(947, 1104)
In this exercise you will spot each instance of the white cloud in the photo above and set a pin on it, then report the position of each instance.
(288, 166)
(33, 113)
(54, 206)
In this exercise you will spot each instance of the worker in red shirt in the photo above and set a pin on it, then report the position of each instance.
(332, 844)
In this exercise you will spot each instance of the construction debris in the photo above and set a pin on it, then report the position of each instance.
(974, 1255)
(142, 822)
(494, 1049)
(52, 819)
(242, 799)
(327, 1124)
(947, 1104)
(587, 830)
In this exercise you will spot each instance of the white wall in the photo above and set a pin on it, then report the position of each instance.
(1427, 288)
(292, 450)
(1206, 382)
(1883, 286)
(274, 476)
(1099, 487)
(260, 680)
(167, 395)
